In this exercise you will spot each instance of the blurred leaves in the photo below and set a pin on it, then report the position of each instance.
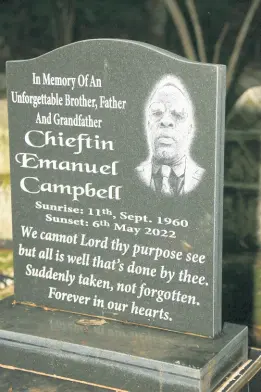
(32, 27)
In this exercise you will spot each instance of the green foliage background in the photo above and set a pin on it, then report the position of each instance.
(32, 27)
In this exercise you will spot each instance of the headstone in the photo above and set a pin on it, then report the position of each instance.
(96, 229)
(117, 189)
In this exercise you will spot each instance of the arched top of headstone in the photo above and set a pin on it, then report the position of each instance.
(120, 44)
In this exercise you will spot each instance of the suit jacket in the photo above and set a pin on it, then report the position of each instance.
(192, 175)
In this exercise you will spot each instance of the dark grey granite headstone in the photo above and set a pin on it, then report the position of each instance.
(117, 173)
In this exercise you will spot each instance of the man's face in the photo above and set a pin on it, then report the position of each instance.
(169, 130)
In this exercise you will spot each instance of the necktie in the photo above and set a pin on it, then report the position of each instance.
(165, 188)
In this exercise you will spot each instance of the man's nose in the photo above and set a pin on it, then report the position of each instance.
(167, 121)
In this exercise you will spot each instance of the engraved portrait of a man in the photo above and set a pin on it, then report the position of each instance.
(170, 128)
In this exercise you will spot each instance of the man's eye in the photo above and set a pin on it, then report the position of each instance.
(157, 109)
(181, 116)
(176, 114)
(157, 113)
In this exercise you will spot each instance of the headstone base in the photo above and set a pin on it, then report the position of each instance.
(113, 356)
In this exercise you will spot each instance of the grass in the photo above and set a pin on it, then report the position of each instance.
(6, 268)
(6, 256)
(5, 201)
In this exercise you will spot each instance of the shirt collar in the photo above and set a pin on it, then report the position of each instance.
(178, 168)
